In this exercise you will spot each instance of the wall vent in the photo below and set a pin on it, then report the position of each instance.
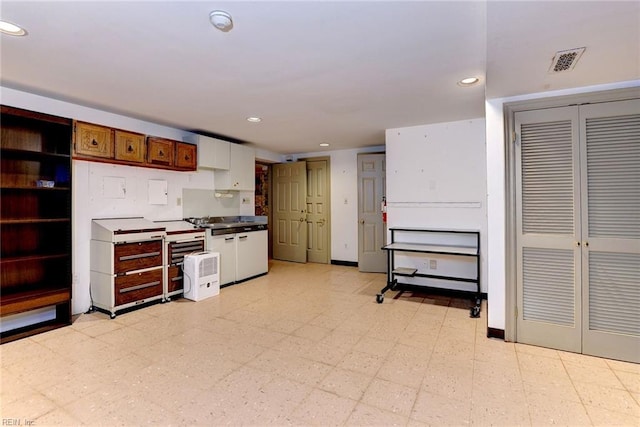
(565, 60)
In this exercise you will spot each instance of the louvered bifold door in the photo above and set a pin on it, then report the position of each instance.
(610, 147)
(547, 222)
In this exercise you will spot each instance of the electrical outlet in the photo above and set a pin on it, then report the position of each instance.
(433, 264)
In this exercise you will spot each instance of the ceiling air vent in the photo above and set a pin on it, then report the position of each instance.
(565, 60)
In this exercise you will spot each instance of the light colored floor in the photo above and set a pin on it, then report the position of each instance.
(305, 345)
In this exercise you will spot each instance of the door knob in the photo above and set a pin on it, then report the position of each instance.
(321, 221)
(301, 219)
(362, 221)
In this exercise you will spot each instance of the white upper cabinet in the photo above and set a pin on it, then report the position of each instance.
(213, 153)
(241, 170)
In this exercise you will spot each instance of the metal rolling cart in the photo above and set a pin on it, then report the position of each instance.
(462, 243)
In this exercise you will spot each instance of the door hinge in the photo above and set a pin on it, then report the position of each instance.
(516, 312)
(514, 137)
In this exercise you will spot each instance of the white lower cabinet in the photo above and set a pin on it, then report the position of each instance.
(225, 245)
(242, 255)
(252, 254)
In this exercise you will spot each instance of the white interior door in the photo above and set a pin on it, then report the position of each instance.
(371, 230)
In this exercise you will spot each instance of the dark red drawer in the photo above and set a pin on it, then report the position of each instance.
(138, 286)
(137, 255)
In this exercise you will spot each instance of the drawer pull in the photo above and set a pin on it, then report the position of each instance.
(175, 279)
(138, 256)
(135, 288)
(186, 245)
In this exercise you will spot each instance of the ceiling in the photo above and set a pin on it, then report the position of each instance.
(314, 71)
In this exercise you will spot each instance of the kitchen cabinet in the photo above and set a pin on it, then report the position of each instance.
(160, 151)
(91, 140)
(186, 156)
(35, 218)
(129, 146)
(212, 153)
(242, 255)
(104, 144)
(241, 173)
(252, 254)
(225, 245)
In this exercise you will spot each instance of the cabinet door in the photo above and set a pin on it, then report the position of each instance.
(225, 245)
(129, 146)
(241, 173)
(160, 151)
(185, 156)
(92, 140)
(212, 153)
(242, 167)
(252, 254)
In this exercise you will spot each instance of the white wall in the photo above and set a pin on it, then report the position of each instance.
(344, 199)
(90, 201)
(436, 178)
(496, 196)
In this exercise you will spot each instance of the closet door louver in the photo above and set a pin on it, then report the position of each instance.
(547, 178)
(613, 176)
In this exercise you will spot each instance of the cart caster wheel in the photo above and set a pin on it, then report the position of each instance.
(112, 316)
(475, 312)
(379, 298)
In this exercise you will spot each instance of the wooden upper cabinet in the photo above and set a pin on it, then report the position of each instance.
(129, 146)
(160, 151)
(105, 144)
(92, 140)
(186, 156)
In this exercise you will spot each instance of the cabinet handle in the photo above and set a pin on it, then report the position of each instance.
(129, 148)
(186, 158)
(138, 256)
(161, 153)
(242, 237)
(138, 287)
(94, 142)
(228, 239)
(175, 279)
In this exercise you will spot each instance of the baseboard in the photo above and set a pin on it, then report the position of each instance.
(495, 333)
(345, 263)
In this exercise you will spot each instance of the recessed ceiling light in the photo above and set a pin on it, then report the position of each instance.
(469, 81)
(12, 29)
(324, 144)
(254, 119)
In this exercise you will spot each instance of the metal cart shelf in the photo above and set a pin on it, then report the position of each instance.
(464, 250)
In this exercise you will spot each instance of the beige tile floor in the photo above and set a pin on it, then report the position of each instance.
(305, 345)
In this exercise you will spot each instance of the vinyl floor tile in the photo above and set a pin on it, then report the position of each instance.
(306, 344)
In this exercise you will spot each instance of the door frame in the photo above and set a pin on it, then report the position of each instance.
(509, 111)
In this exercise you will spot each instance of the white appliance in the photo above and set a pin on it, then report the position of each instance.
(201, 275)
